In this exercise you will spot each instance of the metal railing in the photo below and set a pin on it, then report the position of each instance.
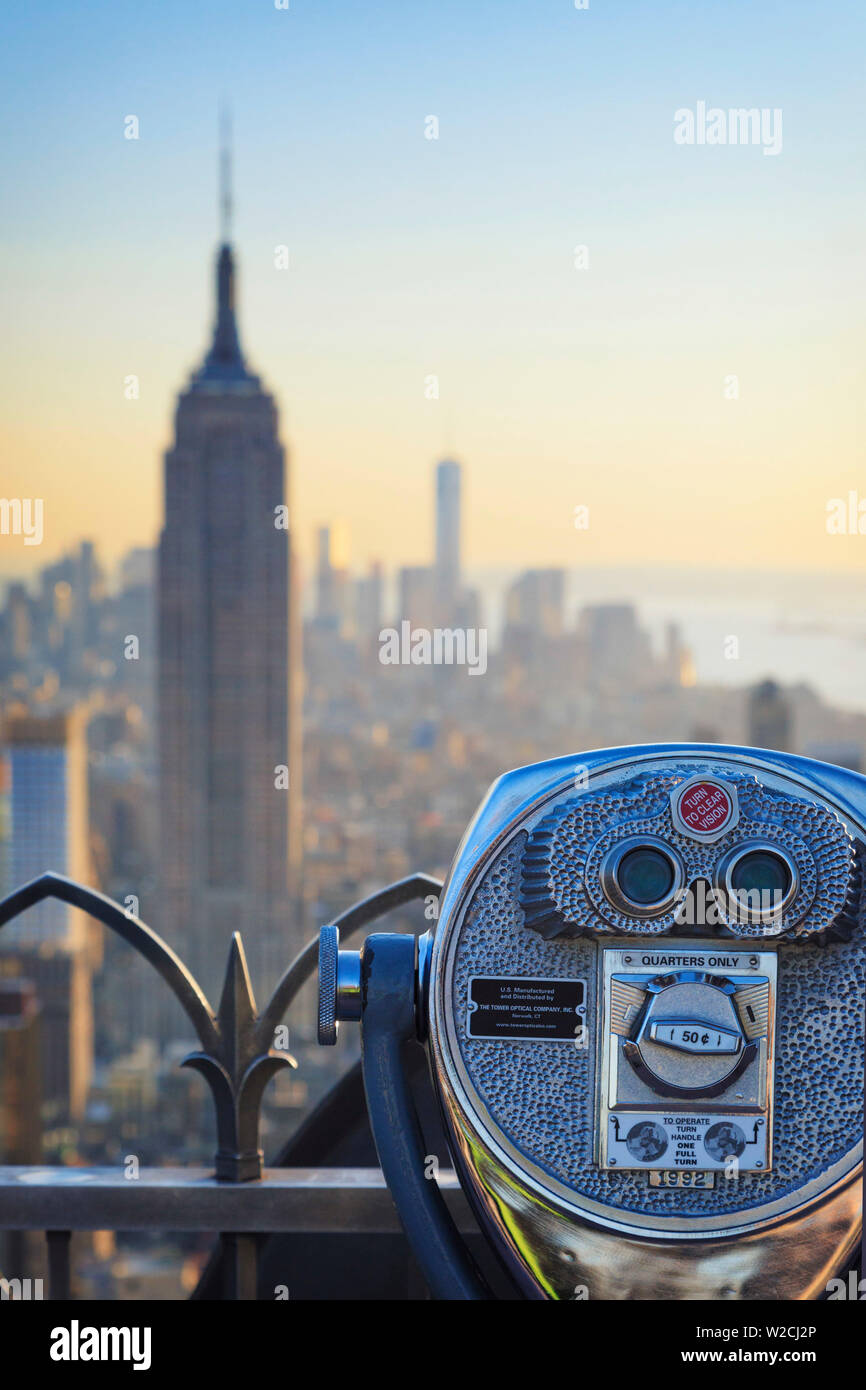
(240, 1200)
(282, 1201)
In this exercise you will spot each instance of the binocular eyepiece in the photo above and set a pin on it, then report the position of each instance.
(643, 1002)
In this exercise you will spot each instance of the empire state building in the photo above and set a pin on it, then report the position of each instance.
(228, 668)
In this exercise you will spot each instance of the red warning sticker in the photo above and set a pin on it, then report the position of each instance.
(705, 808)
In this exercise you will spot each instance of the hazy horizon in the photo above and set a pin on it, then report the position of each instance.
(793, 626)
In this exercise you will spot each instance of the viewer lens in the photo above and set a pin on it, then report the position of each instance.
(645, 876)
(761, 872)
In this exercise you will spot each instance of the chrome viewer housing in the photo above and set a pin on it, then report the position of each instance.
(645, 1150)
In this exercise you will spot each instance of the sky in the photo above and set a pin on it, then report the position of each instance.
(606, 387)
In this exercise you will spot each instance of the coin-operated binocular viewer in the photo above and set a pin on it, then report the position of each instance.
(643, 1003)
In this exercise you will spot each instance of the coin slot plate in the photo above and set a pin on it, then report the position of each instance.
(668, 1103)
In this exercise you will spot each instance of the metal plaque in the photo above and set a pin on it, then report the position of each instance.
(509, 1007)
(685, 1081)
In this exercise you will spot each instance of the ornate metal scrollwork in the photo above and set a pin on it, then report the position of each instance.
(236, 1056)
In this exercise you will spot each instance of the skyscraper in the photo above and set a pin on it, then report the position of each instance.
(618, 651)
(228, 659)
(369, 599)
(415, 596)
(535, 602)
(332, 577)
(20, 1102)
(770, 717)
(448, 477)
(53, 945)
(48, 818)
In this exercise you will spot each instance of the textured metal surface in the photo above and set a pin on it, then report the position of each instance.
(556, 1220)
(329, 949)
(561, 874)
(541, 1095)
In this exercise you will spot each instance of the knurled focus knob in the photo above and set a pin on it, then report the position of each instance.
(329, 955)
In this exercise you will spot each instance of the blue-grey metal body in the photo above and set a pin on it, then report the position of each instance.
(388, 975)
(522, 1114)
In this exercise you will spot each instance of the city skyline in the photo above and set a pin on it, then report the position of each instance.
(605, 384)
(431, 505)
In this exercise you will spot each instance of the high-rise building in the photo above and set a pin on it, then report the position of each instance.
(228, 669)
(535, 602)
(415, 595)
(20, 1080)
(138, 568)
(53, 945)
(46, 757)
(618, 651)
(447, 567)
(770, 717)
(20, 1104)
(332, 577)
(677, 662)
(369, 598)
(531, 637)
(71, 590)
(20, 625)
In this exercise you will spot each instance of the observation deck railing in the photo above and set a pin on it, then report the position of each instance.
(239, 1200)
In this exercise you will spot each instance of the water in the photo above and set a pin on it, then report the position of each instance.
(794, 627)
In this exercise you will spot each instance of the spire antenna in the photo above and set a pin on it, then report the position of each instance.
(226, 198)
